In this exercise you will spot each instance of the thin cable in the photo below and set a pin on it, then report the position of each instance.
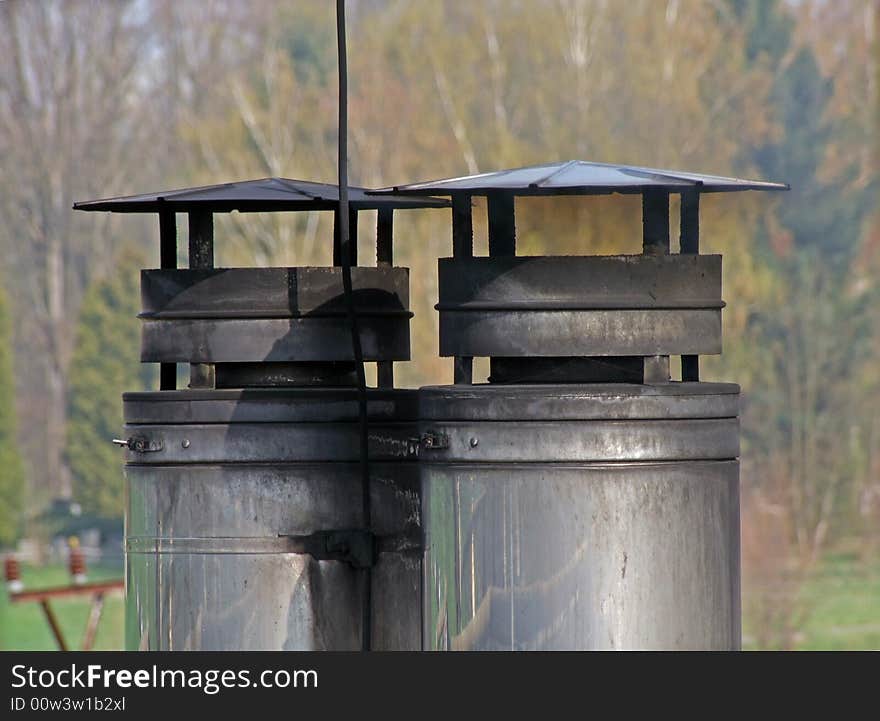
(345, 246)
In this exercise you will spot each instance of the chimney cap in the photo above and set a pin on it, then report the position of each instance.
(256, 196)
(580, 177)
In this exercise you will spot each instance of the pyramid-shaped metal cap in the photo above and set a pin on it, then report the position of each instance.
(580, 177)
(263, 195)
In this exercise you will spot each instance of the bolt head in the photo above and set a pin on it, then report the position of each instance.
(185, 443)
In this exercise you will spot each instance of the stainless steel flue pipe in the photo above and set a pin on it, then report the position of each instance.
(244, 498)
(580, 499)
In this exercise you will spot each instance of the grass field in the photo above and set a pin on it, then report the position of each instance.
(844, 600)
(845, 606)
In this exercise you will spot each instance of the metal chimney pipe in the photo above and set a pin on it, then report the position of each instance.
(245, 518)
(580, 499)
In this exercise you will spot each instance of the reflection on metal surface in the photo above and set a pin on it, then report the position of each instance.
(271, 315)
(541, 306)
(611, 550)
(581, 177)
(248, 519)
(213, 560)
(263, 195)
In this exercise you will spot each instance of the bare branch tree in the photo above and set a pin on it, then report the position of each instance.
(72, 119)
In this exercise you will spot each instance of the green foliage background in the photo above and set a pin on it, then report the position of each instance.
(105, 364)
(12, 476)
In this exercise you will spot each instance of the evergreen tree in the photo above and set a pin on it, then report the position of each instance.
(105, 363)
(11, 469)
(823, 216)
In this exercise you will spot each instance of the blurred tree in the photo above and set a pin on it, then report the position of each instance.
(843, 36)
(277, 120)
(846, 40)
(72, 126)
(105, 364)
(805, 350)
(824, 222)
(11, 469)
(812, 343)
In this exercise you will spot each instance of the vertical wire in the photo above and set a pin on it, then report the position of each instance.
(345, 244)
